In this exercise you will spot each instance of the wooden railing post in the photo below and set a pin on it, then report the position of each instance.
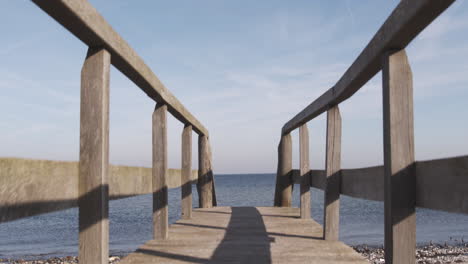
(186, 173)
(93, 187)
(283, 191)
(205, 185)
(304, 171)
(213, 187)
(399, 194)
(160, 210)
(331, 222)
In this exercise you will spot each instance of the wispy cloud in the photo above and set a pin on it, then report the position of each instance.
(242, 71)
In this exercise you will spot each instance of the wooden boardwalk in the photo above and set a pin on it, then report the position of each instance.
(278, 234)
(245, 235)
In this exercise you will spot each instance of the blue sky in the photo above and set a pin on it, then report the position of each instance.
(243, 68)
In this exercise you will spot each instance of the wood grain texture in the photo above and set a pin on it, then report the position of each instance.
(406, 21)
(364, 183)
(186, 189)
(213, 185)
(245, 235)
(331, 215)
(285, 171)
(400, 188)
(318, 179)
(205, 185)
(32, 187)
(304, 171)
(84, 21)
(442, 184)
(93, 177)
(160, 206)
(277, 198)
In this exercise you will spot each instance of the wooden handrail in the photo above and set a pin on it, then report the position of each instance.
(83, 21)
(90, 189)
(407, 20)
(441, 184)
(401, 183)
(32, 187)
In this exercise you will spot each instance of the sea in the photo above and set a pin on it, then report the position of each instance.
(361, 221)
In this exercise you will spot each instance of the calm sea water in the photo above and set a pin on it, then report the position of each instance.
(361, 222)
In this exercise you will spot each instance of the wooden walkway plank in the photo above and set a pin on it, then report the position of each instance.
(244, 235)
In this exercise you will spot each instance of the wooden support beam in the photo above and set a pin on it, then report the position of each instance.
(205, 185)
(304, 171)
(160, 209)
(331, 221)
(186, 180)
(283, 178)
(399, 183)
(94, 158)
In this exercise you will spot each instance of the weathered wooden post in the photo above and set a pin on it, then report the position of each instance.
(205, 185)
(331, 222)
(277, 198)
(186, 177)
(93, 201)
(283, 178)
(304, 171)
(400, 218)
(213, 187)
(160, 210)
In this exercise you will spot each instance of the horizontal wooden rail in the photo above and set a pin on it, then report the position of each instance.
(441, 184)
(32, 187)
(407, 20)
(401, 183)
(83, 21)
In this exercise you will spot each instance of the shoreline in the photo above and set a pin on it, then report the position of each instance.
(427, 254)
(56, 260)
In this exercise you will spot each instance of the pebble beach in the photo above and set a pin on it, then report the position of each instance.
(430, 254)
